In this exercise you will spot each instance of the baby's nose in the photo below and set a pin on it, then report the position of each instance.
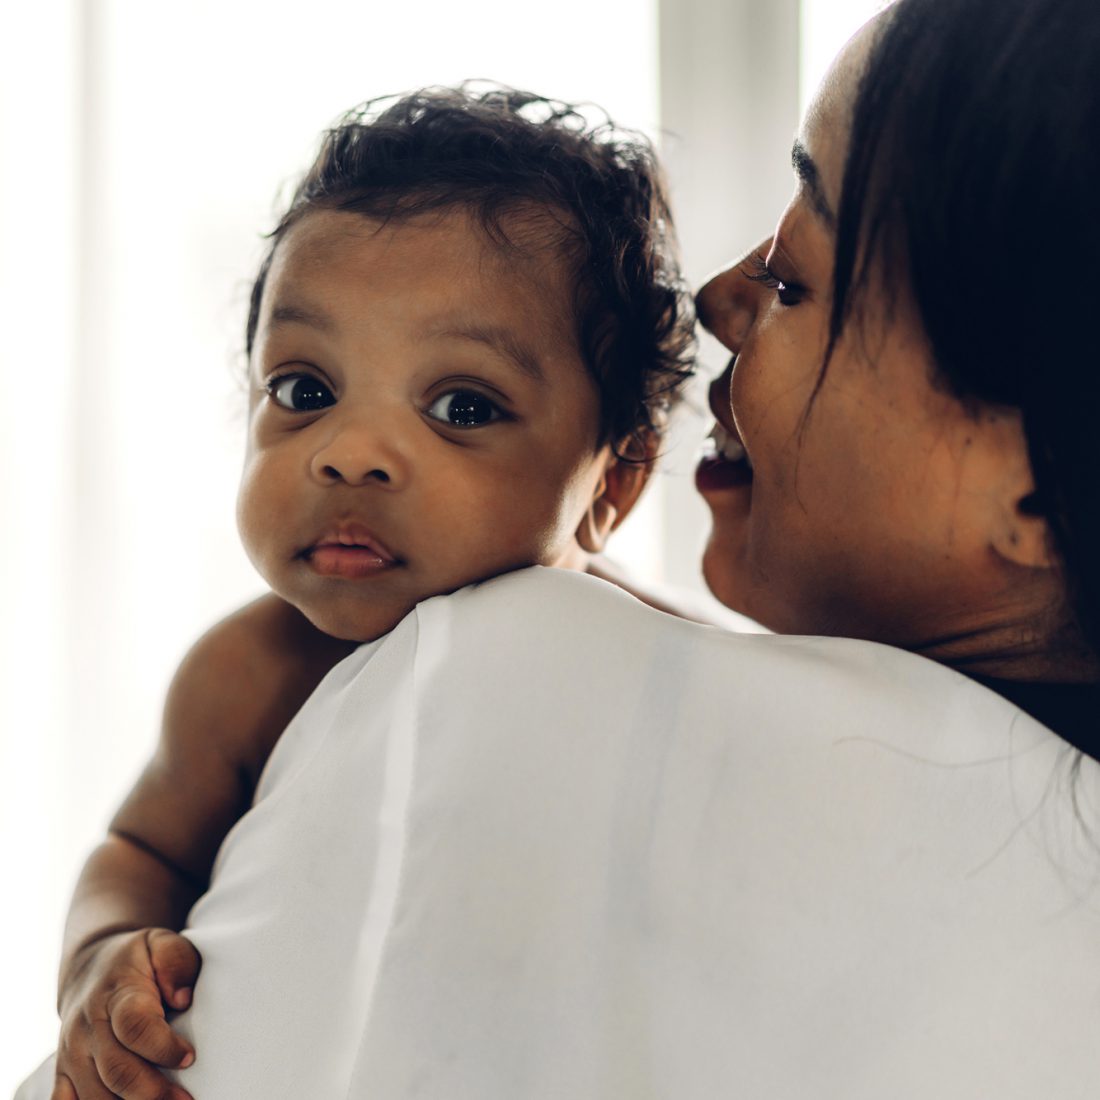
(358, 455)
(728, 302)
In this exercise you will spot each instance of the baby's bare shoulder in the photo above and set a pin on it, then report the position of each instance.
(232, 696)
(247, 676)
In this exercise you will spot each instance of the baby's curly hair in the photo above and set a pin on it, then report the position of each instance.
(499, 151)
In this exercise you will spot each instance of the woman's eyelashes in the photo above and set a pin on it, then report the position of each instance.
(464, 409)
(759, 271)
(300, 393)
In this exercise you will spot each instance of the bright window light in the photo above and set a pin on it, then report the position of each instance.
(826, 26)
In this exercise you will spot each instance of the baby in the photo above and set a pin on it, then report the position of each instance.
(463, 344)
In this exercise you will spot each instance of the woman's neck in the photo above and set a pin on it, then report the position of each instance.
(1010, 624)
(1011, 652)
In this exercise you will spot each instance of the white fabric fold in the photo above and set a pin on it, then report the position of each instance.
(543, 842)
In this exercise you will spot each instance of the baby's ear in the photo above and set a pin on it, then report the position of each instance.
(624, 477)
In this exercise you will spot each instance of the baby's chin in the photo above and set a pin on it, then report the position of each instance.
(347, 625)
(362, 614)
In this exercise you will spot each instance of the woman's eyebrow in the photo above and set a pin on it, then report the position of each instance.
(808, 173)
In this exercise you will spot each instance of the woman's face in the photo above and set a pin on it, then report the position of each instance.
(876, 504)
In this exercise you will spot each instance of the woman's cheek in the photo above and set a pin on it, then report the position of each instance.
(757, 371)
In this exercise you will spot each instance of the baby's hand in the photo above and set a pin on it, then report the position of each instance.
(113, 1030)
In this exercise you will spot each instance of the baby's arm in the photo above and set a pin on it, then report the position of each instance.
(122, 961)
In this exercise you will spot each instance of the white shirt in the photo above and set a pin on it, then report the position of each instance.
(544, 842)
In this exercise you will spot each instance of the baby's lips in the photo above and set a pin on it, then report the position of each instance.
(352, 533)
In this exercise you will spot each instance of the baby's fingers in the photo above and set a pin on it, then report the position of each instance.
(137, 1022)
(63, 1089)
(90, 1089)
(176, 965)
(127, 1076)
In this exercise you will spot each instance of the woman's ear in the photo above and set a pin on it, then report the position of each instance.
(620, 485)
(1022, 535)
(1024, 538)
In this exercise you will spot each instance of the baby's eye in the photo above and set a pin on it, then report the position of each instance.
(464, 409)
(300, 393)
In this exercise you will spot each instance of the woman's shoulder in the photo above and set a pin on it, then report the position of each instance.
(769, 824)
(570, 619)
(573, 651)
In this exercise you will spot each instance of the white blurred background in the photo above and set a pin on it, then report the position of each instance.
(142, 147)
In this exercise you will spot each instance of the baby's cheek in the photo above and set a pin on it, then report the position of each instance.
(541, 531)
(259, 501)
(485, 538)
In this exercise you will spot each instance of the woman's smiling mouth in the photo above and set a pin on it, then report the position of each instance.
(725, 463)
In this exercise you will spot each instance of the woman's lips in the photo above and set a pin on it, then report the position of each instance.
(716, 472)
(725, 465)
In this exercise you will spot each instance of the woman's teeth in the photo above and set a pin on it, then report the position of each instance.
(728, 446)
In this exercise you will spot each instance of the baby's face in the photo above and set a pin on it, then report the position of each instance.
(420, 417)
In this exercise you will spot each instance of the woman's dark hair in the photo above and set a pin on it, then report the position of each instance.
(973, 182)
(503, 153)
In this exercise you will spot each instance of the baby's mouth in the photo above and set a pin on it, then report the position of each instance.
(349, 550)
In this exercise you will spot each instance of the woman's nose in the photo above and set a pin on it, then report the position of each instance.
(728, 302)
(358, 454)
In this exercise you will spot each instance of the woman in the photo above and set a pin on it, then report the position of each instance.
(627, 856)
(919, 421)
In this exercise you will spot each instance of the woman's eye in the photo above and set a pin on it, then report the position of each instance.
(464, 409)
(300, 393)
(788, 294)
(757, 269)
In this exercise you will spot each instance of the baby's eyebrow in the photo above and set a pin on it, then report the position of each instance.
(290, 313)
(503, 342)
